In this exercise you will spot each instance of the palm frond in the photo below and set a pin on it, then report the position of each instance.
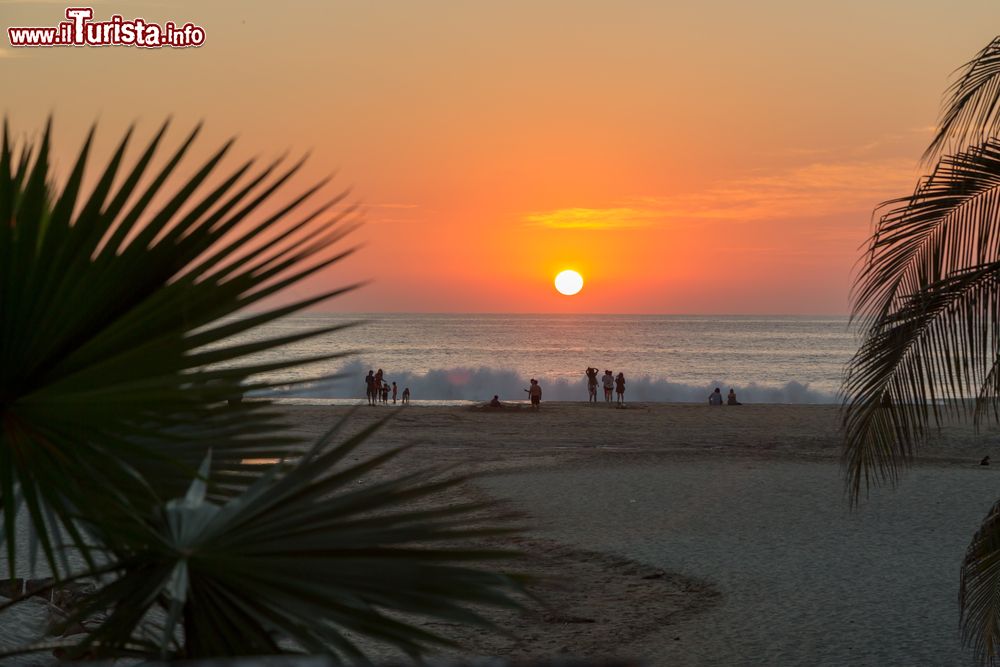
(946, 225)
(308, 560)
(927, 300)
(116, 358)
(979, 594)
(924, 360)
(971, 112)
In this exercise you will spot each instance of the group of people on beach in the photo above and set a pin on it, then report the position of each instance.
(377, 389)
(715, 398)
(610, 382)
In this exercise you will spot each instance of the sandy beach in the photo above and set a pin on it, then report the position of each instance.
(684, 534)
(680, 534)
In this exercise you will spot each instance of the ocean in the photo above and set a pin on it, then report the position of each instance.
(454, 358)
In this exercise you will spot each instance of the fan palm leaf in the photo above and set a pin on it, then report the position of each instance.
(304, 561)
(116, 358)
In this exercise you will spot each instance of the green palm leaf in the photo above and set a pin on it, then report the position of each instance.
(307, 560)
(115, 360)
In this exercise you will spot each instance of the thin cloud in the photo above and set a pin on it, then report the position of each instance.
(903, 143)
(594, 218)
(810, 191)
(395, 212)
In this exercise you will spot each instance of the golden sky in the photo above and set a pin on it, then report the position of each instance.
(713, 157)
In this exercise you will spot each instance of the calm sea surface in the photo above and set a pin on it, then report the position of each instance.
(664, 358)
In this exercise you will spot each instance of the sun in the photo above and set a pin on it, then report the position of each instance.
(569, 282)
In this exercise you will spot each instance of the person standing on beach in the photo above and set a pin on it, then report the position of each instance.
(609, 384)
(370, 387)
(620, 389)
(394, 393)
(378, 383)
(535, 394)
(406, 396)
(715, 398)
(591, 385)
(385, 393)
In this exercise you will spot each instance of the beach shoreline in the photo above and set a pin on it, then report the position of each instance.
(567, 433)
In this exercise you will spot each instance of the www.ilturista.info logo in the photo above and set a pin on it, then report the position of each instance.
(79, 30)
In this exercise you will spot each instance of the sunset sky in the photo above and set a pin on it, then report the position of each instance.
(713, 157)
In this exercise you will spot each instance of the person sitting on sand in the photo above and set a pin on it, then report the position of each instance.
(495, 403)
(609, 384)
(591, 385)
(370, 387)
(715, 398)
(535, 394)
(406, 396)
(394, 393)
(620, 389)
(985, 461)
(731, 399)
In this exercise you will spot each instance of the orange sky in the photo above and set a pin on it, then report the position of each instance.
(711, 157)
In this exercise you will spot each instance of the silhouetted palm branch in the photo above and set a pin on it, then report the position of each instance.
(979, 595)
(309, 560)
(946, 225)
(116, 364)
(927, 299)
(115, 353)
(972, 110)
(929, 302)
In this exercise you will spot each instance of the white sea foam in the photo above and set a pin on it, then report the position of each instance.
(480, 384)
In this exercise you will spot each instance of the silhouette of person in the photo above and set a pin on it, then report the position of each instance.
(715, 398)
(385, 393)
(985, 461)
(591, 385)
(731, 398)
(370, 387)
(535, 394)
(620, 389)
(378, 383)
(609, 385)
(406, 396)
(394, 393)
(495, 403)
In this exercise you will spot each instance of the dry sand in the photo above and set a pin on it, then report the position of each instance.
(626, 601)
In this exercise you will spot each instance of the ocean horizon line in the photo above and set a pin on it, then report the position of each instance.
(799, 316)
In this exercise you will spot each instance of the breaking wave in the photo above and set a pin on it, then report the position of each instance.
(480, 384)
